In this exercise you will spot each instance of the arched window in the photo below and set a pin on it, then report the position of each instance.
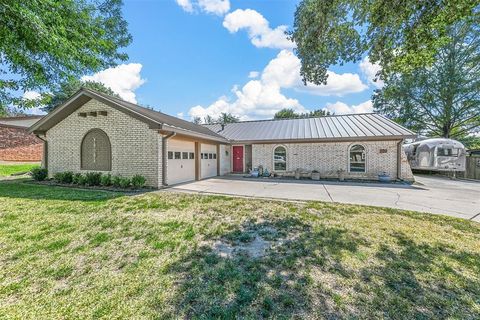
(357, 158)
(280, 159)
(96, 152)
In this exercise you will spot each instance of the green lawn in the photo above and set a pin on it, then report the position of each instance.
(9, 169)
(75, 254)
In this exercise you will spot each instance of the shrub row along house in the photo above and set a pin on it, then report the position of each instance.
(96, 132)
(16, 143)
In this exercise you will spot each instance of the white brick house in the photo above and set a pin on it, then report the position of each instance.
(95, 132)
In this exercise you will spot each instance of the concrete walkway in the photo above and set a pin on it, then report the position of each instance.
(438, 195)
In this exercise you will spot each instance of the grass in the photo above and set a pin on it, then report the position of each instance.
(75, 254)
(9, 169)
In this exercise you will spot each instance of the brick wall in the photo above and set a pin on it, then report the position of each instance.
(16, 144)
(329, 157)
(136, 149)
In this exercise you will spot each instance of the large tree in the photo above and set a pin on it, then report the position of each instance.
(44, 43)
(66, 89)
(442, 100)
(400, 35)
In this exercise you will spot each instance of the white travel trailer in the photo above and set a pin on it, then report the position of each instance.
(437, 154)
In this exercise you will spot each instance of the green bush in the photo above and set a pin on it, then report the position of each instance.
(106, 180)
(138, 181)
(121, 182)
(39, 174)
(116, 181)
(93, 178)
(63, 177)
(78, 178)
(125, 182)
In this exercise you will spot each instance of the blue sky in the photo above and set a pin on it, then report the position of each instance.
(194, 57)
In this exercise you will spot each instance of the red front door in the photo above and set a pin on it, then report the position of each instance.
(237, 158)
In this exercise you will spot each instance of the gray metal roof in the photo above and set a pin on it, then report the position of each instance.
(338, 127)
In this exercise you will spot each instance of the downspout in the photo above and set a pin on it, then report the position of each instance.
(164, 157)
(45, 152)
(399, 160)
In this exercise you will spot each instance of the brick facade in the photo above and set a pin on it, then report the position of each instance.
(136, 149)
(329, 157)
(16, 144)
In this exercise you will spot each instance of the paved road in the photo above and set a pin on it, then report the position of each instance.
(438, 195)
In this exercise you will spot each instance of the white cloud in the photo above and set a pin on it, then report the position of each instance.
(31, 95)
(258, 29)
(370, 71)
(180, 115)
(123, 79)
(285, 71)
(218, 7)
(185, 4)
(255, 100)
(342, 108)
(261, 98)
(253, 74)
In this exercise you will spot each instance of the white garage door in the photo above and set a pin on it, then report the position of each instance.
(208, 153)
(181, 161)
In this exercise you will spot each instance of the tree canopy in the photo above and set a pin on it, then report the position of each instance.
(44, 43)
(400, 35)
(288, 113)
(442, 100)
(66, 89)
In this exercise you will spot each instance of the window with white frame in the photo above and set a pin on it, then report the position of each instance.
(280, 158)
(357, 158)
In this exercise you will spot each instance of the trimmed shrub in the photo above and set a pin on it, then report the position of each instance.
(116, 181)
(78, 178)
(125, 182)
(58, 176)
(93, 178)
(63, 177)
(138, 181)
(106, 180)
(39, 174)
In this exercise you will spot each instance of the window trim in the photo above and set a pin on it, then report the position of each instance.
(109, 167)
(286, 157)
(365, 161)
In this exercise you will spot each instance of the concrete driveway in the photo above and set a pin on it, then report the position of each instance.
(457, 198)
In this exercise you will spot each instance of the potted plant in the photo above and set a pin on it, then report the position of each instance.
(384, 177)
(341, 174)
(315, 175)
